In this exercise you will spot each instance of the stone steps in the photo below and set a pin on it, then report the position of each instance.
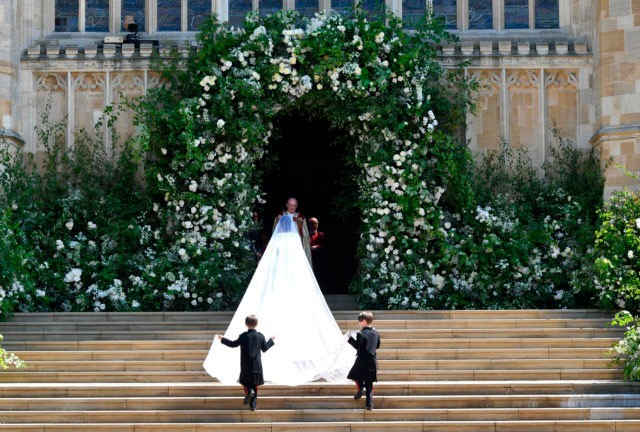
(412, 334)
(322, 402)
(390, 343)
(380, 315)
(391, 324)
(383, 354)
(439, 371)
(353, 414)
(68, 365)
(364, 426)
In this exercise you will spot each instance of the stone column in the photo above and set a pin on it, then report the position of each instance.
(10, 19)
(617, 66)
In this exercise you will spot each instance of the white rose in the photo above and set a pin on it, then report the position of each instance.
(69, 225)
(220, 123)
(193, 186)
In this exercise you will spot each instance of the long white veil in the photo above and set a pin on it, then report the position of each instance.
(287, 300)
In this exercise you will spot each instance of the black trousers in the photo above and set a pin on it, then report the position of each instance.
(253, 401)
(367, 387)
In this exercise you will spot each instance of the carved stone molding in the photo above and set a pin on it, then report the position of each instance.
(51, 82)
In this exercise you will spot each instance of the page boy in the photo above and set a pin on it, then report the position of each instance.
(251, 343)
(364, 370)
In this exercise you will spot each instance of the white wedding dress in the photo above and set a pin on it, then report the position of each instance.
(287, 300)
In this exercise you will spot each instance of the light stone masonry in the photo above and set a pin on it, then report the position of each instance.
(583, 78)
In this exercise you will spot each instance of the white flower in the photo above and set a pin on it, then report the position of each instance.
(220, 123)
(209, 300)
(193, 186)
(135, 304)
(59, 245)
(163, 151)
(73, 275)
(182, 252)
(447, 225)
(194, 302)
(638, 223)
(40, 293)
(91, 225)
(69, 224)
(341, 28)
(380, 37)
(630, 254)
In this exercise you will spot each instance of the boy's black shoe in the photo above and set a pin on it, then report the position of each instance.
(253, 402)
(248, 397)
(369, 407)
(358, 394)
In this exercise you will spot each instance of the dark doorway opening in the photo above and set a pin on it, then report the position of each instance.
(306, 160)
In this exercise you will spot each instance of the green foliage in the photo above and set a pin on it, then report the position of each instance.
(210, 125)
(161, 222)
(526, 239)
(617, 252)
(627, 351)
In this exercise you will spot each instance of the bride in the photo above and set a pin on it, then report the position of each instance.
(287, 300)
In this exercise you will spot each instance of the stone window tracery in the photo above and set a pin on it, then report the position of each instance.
(187, 15)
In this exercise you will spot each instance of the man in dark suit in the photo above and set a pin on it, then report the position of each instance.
(251, 344)
(364, 370)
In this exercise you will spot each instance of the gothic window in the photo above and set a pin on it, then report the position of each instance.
(66, 18)
(237, 11)
(134, 8)
(307, 8)
(268, 7)
(447, 10)
(373, 8)
(547, 14)
(97, 16)
(343, 7)
(169, 15)
(412, 12)
(197, 12)
(516, 14)
(480, 14)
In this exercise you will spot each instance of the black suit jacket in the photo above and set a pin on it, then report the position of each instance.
(251, 344)
(365, 368)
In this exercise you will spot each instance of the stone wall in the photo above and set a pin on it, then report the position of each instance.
(618, 80)
(583, 79)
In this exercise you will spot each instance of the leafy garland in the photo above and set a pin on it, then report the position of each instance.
(208, 127)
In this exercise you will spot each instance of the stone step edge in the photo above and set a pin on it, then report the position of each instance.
(464, 384)
(432, 426)
(366, 426)
(543, 397)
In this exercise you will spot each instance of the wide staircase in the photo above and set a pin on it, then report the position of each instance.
(462, 371)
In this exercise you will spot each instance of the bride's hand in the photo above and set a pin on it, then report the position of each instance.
(273, 338)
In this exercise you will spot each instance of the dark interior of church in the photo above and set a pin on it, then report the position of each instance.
(306, 160)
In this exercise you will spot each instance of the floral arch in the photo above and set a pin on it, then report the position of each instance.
(208, 127)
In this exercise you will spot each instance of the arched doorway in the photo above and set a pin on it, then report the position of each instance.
(307, 161)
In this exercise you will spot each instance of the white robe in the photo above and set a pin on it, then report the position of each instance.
(287, 300)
